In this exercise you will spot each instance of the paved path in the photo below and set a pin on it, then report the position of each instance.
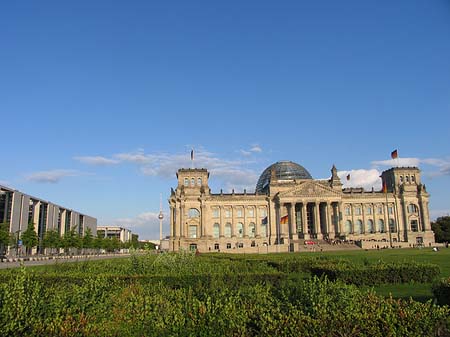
(5, 265)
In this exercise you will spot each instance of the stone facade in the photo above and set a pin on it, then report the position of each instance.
(286, 212)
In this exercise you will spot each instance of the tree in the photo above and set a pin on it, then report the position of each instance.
(71, 240)
(51, 240)
(29, 238)
(4, 237)
(441, 229)
(88, 239)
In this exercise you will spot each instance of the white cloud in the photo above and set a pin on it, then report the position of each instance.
(4, 183)
(436, 213)
(138, 157)
(440, 166)
(361, 178)
(145, 224)
(96, 160)
(52, 176)
(255, 148)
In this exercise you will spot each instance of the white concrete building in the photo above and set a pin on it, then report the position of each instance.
(121, 233)
(19, 209)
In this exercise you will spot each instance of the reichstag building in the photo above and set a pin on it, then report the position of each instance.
(290, 210)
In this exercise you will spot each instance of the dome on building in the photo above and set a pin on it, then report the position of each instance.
(284, 170)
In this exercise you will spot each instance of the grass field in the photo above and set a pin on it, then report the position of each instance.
(418, 291)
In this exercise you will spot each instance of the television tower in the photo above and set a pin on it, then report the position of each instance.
(160, 217)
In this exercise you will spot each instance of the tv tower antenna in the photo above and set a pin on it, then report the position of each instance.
(160, 217)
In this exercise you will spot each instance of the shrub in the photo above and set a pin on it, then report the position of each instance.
(441, 291)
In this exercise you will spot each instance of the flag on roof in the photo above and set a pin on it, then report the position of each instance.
(284, 219)
(394, 154)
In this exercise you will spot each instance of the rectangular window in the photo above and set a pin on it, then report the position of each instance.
(380, 210)
(263, 212)
(390, 210)
(239, 213)
(369, 210)
(347, 211)
(251, 212)
(227, 213)
(358, 210)
(193, 232)
(216, 212)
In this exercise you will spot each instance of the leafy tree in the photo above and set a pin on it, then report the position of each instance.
(88, 239)
(51, 240)
(71, 240)
(441, 228)
(30, 238)
(134, 241)
(4, 236)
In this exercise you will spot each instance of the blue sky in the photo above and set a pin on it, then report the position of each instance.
(102, 101)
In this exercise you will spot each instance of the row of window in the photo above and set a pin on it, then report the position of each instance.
(229, 245)
(192, 182)
(239, 231)
(369, 210)
(358, 209)
(239, 212)
(407, 179)
(358, 227)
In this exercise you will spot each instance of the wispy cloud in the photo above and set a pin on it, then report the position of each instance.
(232, 173)
(97, 160)
(439, 166)
(361, 178)
(255, 148)
(4, 183)
(145, 223)
(52, 176)
(436, 213)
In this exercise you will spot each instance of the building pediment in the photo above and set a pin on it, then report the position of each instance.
(309, 189)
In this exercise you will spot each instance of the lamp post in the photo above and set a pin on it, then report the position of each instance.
(160, 217)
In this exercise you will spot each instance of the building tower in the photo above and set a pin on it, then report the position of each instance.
(160, 217)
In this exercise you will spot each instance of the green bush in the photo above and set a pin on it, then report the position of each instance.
(377, 273)
(441, 291)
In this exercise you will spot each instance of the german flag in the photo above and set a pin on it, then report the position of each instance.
(394, 154)
(384, 187)
(284, 220)
(348, 176)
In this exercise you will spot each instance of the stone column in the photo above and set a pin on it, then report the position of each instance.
(292, 222)
(203, 220)
(221, 223)
(172, 224)
(182, 228)
(257, 222)
(304, 221)
(330, 225)
(375, 220)
(363, 210)
(317, 220)
(339, 217)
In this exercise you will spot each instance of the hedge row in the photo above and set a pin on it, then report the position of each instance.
(378, 273)
(310, 307)
(441, 291)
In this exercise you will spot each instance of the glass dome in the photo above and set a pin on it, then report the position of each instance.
(284, 170)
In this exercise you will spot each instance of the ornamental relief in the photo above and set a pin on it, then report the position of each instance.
(310, 189)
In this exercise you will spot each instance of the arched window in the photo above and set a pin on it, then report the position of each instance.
(192, 182)
(359, 227)
(186, 182)
(348, 227)
(412, 208)
(240, 230)
(392, 225)
(380, 225)
(227, 230)
(251, 230)
(216, 230)
(199, 181)
(193, 231)
(263, 230)
(194, 213)
(370, 228)
(216, 246)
